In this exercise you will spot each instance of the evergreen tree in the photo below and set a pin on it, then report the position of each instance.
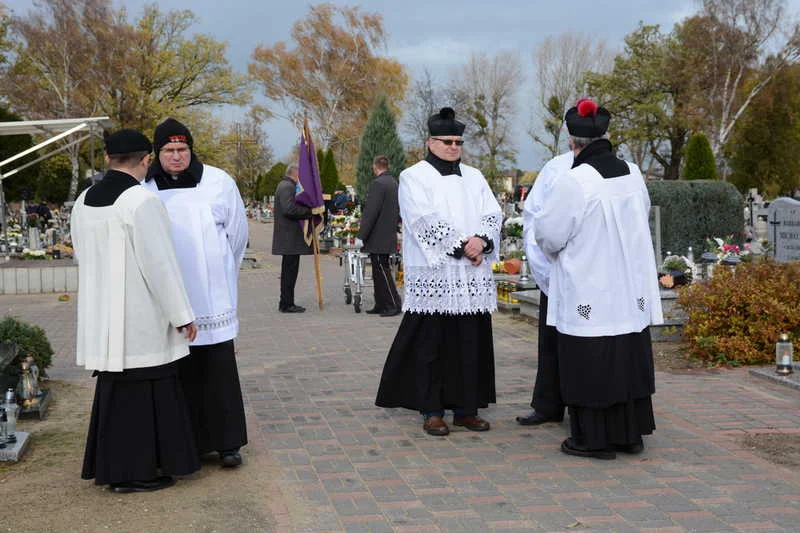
(267, 183)
(321, 167)
(329, 175)
(380, 138)
(700, 163)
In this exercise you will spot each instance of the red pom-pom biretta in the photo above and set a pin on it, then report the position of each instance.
(586, 108)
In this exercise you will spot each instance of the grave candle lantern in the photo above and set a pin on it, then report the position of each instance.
(783, 355)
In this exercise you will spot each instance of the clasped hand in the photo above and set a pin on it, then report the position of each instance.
(473, 250)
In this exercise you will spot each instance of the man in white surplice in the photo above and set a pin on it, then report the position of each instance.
(134, 324)
(209, 227)
(603, 290)
(443, 355)
(546, 401)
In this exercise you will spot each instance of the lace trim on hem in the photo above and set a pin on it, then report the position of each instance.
(449, 289)
(211, 322)
(434, 311)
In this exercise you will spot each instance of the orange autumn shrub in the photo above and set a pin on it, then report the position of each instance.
(735, 317)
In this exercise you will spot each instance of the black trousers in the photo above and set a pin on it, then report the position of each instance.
(547, 390)
(290, 266)
(386, 297)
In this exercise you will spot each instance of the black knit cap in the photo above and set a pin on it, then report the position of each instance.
(171, 131)
(587, 119)
(127, 141)
(444, 123)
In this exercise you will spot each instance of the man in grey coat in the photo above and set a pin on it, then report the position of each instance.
(287, 237)
(379, 233)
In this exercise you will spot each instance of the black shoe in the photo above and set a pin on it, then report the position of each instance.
(392, 312)
(230, 458)
(569, 447)
(374, 311)
(293, 309)
(158, 483)
(534, 419)
(632, 449)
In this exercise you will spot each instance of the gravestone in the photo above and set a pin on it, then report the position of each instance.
(655, 233)
(34, 239)
(50, 237)
(784, 229)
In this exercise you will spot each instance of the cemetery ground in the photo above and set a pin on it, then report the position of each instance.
(322, 458)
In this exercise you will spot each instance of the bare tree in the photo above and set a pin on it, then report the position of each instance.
(51, 76)
(484, 93)
(743, 45)
(424, 100)
(248, 154)
(561, 63)
(82, 58)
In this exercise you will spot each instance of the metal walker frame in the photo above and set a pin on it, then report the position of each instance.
(355, 275)
(355, 262)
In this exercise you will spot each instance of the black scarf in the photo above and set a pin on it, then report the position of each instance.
(187, 179)
(445, 168)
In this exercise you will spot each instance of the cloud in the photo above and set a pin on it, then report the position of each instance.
(435, 54)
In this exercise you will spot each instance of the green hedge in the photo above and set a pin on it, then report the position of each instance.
(692, 211)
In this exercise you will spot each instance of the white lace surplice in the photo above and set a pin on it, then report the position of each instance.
(439, 213)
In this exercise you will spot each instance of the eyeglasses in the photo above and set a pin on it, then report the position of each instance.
(449, 142)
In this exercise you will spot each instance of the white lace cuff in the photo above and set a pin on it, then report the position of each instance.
(436, 238)
(490, 226)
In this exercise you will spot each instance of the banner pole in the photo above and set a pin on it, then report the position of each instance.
(315, 240)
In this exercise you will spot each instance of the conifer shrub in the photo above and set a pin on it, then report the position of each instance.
(31, 340)
(735, 317)
(700, 163)
(329, 174)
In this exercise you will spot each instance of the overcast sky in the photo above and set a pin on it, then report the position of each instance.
(434, 34)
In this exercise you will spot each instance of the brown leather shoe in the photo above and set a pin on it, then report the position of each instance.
(436, 426)
(472, 423)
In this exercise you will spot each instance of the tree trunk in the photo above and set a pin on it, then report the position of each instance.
(73, 184)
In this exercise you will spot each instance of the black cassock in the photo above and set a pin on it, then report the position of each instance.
(438, 362)
(140, 425)
(209, 374)
(211, 384)
(606, 383)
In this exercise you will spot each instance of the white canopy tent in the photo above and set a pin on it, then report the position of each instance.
(71, 131)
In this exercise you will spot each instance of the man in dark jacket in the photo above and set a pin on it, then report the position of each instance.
(379, 233)
(287, 237)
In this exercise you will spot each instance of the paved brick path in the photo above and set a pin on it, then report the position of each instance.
(346, 465)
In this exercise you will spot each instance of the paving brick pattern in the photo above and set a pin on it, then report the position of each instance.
(345, 465)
